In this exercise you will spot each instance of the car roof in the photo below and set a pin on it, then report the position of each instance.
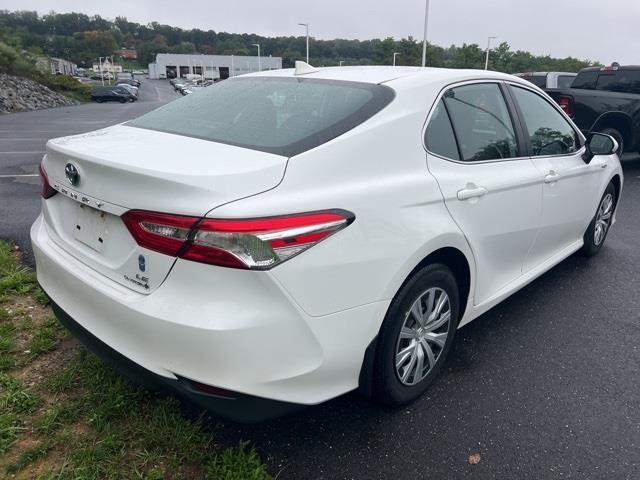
(387, 74)
(617, 69)
(528, 74)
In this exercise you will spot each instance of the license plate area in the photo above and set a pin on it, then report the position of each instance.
(90, 227)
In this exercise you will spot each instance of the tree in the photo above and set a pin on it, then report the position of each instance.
(83, 38)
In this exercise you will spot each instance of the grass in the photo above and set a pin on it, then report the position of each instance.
(15, 62)
(64, 414)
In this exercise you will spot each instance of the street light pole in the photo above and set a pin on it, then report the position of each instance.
(307, 27)
(259, 64)
(113, 73)
(424, 38)
(395, 54)
(486, 60)
(101, 72)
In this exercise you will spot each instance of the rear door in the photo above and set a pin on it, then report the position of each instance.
(490, 186)
(569, 185)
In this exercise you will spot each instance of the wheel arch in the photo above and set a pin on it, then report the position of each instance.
(617, 120)
(617, 184)
(461, 267)
(457, 262)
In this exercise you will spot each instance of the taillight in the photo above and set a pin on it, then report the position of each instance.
(566, 104)
(47, 190)
(258, 244)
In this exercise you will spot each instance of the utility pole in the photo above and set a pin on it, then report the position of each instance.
(259, 64)
(486, 60)
(307, 26)
(101, 71)
(424, 38)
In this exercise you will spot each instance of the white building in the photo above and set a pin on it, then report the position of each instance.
(170, 65)
(57, 66)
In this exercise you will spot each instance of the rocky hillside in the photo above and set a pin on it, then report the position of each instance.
(18, 94)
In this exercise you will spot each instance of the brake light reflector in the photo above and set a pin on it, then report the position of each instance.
(566, 104)
(257, 244)
(47, 190)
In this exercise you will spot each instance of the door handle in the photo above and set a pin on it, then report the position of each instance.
(551, 177)
(471, 191)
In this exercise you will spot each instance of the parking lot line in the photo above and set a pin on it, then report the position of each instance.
(25, 151)
(20, 175)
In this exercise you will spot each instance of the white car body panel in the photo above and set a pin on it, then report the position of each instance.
(306, 323)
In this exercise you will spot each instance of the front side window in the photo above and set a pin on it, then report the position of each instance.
(548, 131)
(481, 122)
(284, 116)
(439, 138)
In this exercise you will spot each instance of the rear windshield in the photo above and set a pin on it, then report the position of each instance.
(537, 80)
(285, 116)
(565, 81)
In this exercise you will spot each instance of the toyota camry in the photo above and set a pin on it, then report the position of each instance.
(284, 237)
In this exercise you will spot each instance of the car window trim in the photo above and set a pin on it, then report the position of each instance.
(453, 129)
(516, 125)
(554, 105)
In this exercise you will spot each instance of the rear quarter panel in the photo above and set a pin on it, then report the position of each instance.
(377, 171)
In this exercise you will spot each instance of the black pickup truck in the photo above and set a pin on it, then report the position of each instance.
(607, 100)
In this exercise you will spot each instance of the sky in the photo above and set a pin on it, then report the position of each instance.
(586, 29)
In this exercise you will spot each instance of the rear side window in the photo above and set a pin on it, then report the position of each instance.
(439, 137)
(284, 116)
(549, 132)
(586, 80)
(481, 122)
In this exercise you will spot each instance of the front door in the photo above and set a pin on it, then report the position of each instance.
(490, 186)
(569, 185)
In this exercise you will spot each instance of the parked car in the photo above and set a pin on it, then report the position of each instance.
(607, 100)
(112, 93)
(130, 81)
(130, 88)
(547, 80)
(261, 256)
(181, 85)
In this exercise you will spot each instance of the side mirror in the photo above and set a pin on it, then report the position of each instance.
(599, 144)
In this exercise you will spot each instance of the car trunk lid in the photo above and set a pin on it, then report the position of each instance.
(123, 168)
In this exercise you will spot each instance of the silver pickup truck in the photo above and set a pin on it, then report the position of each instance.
(546, 80)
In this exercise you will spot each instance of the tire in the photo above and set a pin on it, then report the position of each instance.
(98, 100)
(398, 385)
(618, 136)
(123, 100)
(593, 238)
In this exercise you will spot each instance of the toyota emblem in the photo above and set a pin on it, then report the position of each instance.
(72, 174)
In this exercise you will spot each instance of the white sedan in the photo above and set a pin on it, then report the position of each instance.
(284, 237)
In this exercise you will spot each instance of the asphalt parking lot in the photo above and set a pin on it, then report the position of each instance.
(545, 385)
(22, 143)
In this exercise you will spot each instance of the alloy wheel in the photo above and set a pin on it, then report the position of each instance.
(423, 336)
(603, 219)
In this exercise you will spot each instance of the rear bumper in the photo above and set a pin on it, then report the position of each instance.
(240, 408)
(232, 329)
